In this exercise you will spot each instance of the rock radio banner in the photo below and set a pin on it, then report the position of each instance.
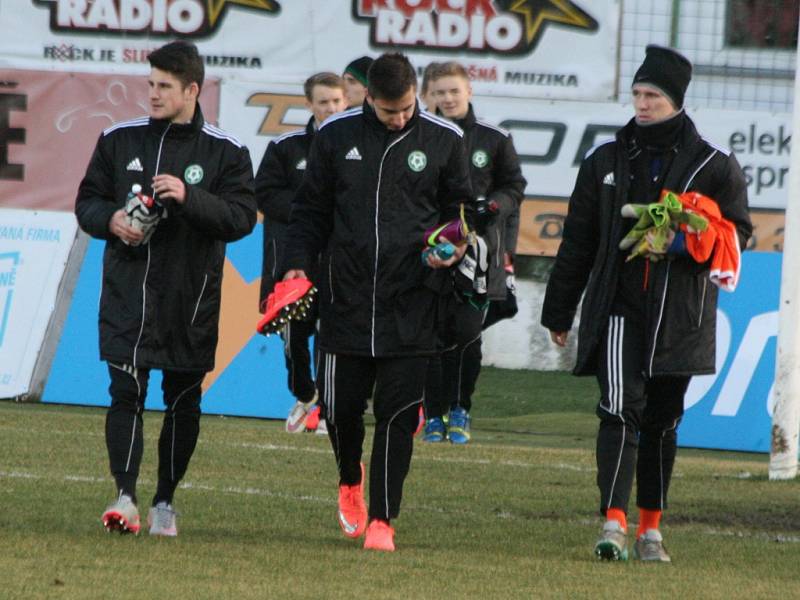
(510, 47)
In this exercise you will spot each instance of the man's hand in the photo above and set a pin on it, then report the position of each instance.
(120, 227)
(559, 337)
(295, 274)
(434, 262)
(170, 187)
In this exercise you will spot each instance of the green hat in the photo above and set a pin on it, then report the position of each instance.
(359, 68)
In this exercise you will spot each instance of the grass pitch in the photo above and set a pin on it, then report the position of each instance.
(511, 515)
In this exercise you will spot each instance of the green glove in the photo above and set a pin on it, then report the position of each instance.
(694, 221)
(654, 243)
(678, 215)
(644, 222)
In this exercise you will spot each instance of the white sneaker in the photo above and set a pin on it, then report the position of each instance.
(296, 421)
(650, 547)
(322, 428)
(122, 515)
(161, 520)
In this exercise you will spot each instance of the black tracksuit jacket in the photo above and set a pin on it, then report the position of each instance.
(160, 302)
(681, 304)
(366, 200)
(496, 175)
(277, 180)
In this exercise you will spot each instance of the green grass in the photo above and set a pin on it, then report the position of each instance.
(512, 515)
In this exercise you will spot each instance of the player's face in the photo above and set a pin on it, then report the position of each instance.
(650, 104)
(428, 100)
(169, 99)
(354, 90)
(395, 113)
(452, 95)
(325, 101)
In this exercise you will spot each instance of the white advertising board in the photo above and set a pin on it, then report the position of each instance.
(551, 137)
(34, 247)
(522, 48)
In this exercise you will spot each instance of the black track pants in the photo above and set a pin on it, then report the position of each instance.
(345, 383)
(454, 383)
(639, 418)
(179, 431)
(295, 336)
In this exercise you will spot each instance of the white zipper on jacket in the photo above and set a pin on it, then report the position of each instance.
(147, 268)
(144, 304)
(666, 283)
(702, 301)
(377, 235)
(330, 278)
(200, 297)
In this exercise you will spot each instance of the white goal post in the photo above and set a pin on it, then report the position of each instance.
(786, 413)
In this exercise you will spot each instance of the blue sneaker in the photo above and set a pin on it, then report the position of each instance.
(459, 426)
(434, 430)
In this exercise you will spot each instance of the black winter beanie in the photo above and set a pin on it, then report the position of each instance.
(667, 70)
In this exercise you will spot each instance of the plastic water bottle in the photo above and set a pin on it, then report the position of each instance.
(442, 251)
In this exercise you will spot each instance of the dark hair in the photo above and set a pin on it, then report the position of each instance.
(326, 78)
(450, 68)
(427, 77)
(181, 59)
(391, 76)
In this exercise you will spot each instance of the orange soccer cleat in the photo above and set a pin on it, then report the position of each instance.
(290, 300)
(380, 536)
(352, 509)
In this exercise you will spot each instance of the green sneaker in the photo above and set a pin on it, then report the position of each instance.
(650, 547)
(613, 543)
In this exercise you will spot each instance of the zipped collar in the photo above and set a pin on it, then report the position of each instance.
(311, 127)
(179, 130)
(372, 119)
(468, 122)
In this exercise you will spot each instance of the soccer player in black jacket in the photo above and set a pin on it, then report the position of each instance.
(646, 326)
(159, 307)
(498, 185)
(378, 177)
(277, 180)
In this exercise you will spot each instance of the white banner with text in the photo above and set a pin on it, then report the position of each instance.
(510, 47)
(34, 247)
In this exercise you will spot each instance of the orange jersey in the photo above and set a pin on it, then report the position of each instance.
(720, 241)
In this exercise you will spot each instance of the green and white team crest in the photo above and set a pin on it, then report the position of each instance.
(417, 161)
(480, 159)
(193, 174)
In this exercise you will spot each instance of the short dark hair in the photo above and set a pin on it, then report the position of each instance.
(427, 77)
(181, 59)
(391, 76)
(326, 78)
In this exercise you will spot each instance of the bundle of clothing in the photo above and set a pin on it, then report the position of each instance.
(685, 223)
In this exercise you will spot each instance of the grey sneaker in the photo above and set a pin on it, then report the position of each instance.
(161, 520)
(122, 515)
(613, 544)
(296, 421)
(650, 547)
(322, 428)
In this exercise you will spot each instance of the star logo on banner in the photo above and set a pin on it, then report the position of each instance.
(237, 318)
(538, 14)
(217, 7)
